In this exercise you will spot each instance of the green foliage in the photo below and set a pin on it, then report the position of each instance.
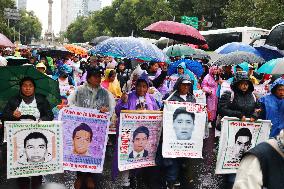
(125, 17)
(258, 13)
(29, 27)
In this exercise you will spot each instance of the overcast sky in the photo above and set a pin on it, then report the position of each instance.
(40, 7)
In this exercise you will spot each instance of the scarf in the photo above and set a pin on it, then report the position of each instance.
(27, 99)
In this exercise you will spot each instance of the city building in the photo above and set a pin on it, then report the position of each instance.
(71, 9)
(21, 4)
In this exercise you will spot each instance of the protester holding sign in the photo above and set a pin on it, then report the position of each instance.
(28, 106)
(139, 99)
(240, 103)
(91, 95)
(263, 166)
(183, 124)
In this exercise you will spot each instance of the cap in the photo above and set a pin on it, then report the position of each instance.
(186, 81)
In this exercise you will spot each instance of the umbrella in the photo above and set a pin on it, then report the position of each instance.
(274, 66)
(99, 39)
(5, 42)
(237, 58)
(179, 50)
(58, 52)
(16, 61)
(10, 77)
(193, 66)
(200, 54)
(176, 31)
(268, 53)
(236, 46)
(129, 47)
(76, 49)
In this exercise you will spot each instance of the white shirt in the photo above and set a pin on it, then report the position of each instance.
(29, 109)
(135, 154)
(183, 97)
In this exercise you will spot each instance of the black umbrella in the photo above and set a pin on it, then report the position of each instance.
(57, 52)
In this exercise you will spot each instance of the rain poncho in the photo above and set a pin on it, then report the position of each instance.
(273, 109)
(210, 87)
(113, 87)
(132, 104)
(174, 77)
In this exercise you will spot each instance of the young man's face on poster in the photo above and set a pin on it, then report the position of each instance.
(183, 126)
(241, 146)
(81, 142)
(140, 142)
(36, 150)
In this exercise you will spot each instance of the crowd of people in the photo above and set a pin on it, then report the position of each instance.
(111, 85)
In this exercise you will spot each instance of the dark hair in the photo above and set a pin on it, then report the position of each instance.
(35, 135)
(111, 73)
(243, 132)
(84, 127)
(274, 89)
(93, 72)
(141, 129)
(27, 79)
(182, 110)
(151, 63)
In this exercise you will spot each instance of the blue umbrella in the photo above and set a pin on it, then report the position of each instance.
(193, 66)
(268, 54)
(236, 46)
(130, 47)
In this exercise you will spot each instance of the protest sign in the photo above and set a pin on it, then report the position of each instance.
(33, 148)
(236, 138)
(139, 134)
(259, 91)
(85, 138)
(200, 96)
(225, 86)
(183, 129)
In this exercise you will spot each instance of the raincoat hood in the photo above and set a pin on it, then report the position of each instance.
(279, 81)
(183, 66)
(211, 70)
(144, 77)
(241, 76)
(180, 81)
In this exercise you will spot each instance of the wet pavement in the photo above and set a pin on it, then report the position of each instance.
(199, 173)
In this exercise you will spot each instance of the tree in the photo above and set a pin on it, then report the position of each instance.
(76, 29)
(3, 22)
(258, 13)
(29, 27)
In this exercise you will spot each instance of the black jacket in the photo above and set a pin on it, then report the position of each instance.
(243, 104)
(42, 105)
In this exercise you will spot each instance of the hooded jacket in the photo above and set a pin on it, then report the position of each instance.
(272, 108)
(238, 104)
(210, 86)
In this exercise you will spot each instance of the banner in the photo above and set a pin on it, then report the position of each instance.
(236, 138)
(139, 135)
(85, 138)
(183, 129)
(200, 96)
(260, 91)
(33, 148)
(225, 86)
